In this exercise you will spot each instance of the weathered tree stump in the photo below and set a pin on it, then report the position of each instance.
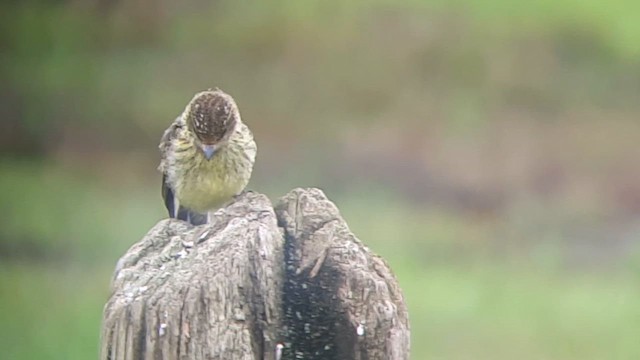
(256, 283)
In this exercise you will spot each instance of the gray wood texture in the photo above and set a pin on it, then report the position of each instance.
(259, 282)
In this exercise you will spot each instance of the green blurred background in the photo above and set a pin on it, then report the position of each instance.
(488, 149)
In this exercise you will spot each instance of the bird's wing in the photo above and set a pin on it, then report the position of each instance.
(170, 201)
(166, 140)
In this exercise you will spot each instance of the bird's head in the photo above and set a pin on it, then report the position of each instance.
(212, 116)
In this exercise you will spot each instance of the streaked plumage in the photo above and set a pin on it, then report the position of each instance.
(207, 157)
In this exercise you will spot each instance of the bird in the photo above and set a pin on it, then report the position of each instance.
(207, 156)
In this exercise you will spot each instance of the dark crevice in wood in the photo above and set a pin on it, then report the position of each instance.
(310, 315)
(142, 334)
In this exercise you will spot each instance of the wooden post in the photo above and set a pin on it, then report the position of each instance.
(257, 283)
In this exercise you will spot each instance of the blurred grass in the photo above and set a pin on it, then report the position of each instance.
(61, 215)
(486, 149)
(457, 312)
(59, 311)
(462, 304)
(492, 311)
(470, 302)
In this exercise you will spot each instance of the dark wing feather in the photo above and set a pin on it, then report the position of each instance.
(168, 197)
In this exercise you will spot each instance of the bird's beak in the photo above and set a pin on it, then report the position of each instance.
(209, 151)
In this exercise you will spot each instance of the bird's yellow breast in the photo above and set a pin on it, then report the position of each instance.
(203, 194)
(209, 184)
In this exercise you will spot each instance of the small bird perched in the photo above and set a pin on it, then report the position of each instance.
(207, 156)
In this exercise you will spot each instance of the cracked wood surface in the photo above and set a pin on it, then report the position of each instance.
(253, 282)
(341, 300)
